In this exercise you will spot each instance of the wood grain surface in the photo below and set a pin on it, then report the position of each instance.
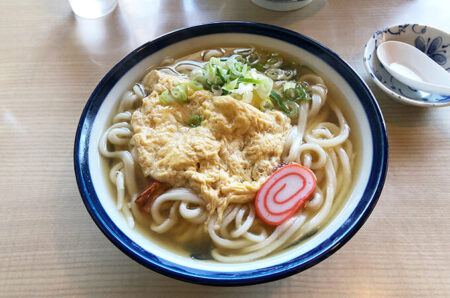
(51, 61)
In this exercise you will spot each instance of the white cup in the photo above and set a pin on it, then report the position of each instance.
(282, 5)
(92, 9)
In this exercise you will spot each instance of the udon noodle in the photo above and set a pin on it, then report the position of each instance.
(318, 139)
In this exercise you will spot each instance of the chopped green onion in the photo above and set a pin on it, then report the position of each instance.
(165, 98)
(234, 75)
(291, 94)
(249, 80)
(272, 61)
(208, 84)
(295, 92)
(210, 73)
(247, 97)
(216, 89)
(195, 120)
(179, 92)
(266, 105)
(293, 109)
(197, 75)
(290, 73)
(259, 67)
(253, 58)
(230, 85)
(302, 93)
(195, 85)
(304, 84)
(215, 61)
(277, 98)
(274, 73)
(265, 87)
(221, 74)
(288, 85)
(237, 69)
(239, 59)
(210, 67)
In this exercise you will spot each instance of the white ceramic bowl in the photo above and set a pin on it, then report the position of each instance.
(432, 41)
(361, 109)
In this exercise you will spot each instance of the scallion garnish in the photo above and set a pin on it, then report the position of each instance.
(277, 99)
(221, 74)
(293, 109)
(302, 94)
(295, 91)
(195, 120)
(288, 85)
(165, 98)
(272, 61)
(194, 85)
(251, 77)
(239, 59)
(216, 89)
(266, 105)
(179, 92)
(291, 93)
(249, 80)
(253, 58)
(230, 85)
(259, 67)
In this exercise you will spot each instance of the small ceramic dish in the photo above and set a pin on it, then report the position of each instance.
(431, 41)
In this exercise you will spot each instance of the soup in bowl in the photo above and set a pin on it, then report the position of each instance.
(230, 153)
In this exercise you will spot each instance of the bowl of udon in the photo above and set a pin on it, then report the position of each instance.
(230, 153)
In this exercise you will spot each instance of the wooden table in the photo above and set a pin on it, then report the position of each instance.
(51, 61)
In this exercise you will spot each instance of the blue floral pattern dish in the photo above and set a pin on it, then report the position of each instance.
(433, 42)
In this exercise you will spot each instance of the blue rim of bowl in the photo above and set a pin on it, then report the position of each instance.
(326, 248)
